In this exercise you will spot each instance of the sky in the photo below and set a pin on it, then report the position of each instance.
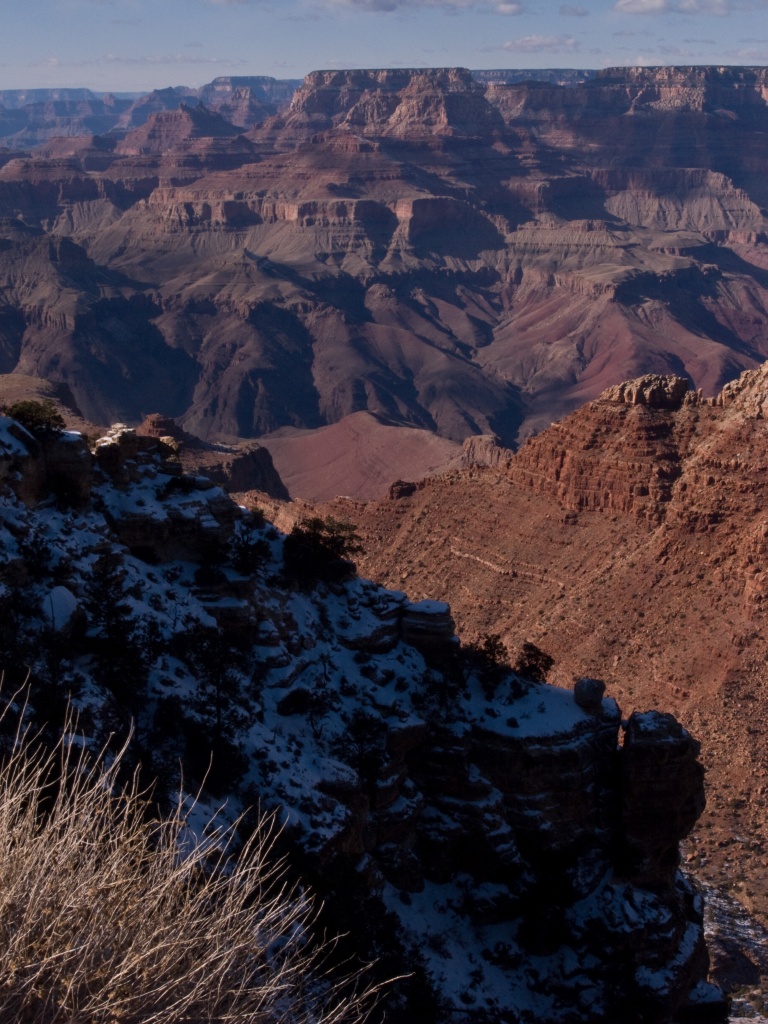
(138, 45)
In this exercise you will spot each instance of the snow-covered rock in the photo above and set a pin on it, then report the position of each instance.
(517, 858)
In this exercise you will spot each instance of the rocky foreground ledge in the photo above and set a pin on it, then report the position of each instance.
(513, 843)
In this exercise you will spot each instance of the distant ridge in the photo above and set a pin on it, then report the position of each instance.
(553, 76)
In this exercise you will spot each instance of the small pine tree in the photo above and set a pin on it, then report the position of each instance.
(212, 748)
(119, 659)
(39, 418)
(249, 549)
(533, 663)
(489, 659)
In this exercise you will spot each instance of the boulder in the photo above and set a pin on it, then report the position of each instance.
(588, 694)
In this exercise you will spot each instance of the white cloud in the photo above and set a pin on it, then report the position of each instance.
(641, 6)
(541, 44)
(506, 8)
(719, 8)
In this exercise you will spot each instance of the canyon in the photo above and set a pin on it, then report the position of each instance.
(520, 326)
(626, 541)
(448, 255)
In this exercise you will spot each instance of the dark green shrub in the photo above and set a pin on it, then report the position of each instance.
(533, 663)
(488, 658)
(39, 418)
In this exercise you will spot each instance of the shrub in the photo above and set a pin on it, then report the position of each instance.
(488, 658)
(321, 549)
(39, 418)
(249, 549)
(533, 663)
(110, 915)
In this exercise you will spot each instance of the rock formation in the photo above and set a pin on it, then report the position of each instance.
(486, 830)
(628, 540)
(31, 117)
(450, 255)
(242, 466)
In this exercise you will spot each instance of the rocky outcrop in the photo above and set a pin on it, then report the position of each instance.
(653, 391)
(55, 463)
(588, 694)
(194, 516)
(629, 541)
(429, 626)
(484, 450)
(403, 103)
(526, 857)
(616, 454)
(237, 467)
(658, 758)
(190, 137)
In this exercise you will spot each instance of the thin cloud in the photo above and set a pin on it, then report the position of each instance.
(541, 44)
(574, 11)
(55, 62)
(508, 7)
(641, 6)
(241, 3)
(750, 55)
(169, 59)
(718, 8)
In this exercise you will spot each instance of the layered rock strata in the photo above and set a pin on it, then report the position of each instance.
(628, 541)
(457, 257)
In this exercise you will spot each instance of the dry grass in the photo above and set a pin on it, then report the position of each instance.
(103, 922)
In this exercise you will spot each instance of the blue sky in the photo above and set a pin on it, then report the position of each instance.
(136, 45)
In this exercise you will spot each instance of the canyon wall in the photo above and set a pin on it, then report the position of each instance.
(455, 256)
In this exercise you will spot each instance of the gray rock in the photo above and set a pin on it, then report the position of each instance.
(588, 694)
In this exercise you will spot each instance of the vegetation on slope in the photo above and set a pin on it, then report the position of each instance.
(108, 914)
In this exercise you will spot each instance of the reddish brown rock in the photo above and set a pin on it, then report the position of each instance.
(629, 543)
(653, 391)
(409, 243)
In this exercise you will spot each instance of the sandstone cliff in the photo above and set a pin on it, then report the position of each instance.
(628, 539)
